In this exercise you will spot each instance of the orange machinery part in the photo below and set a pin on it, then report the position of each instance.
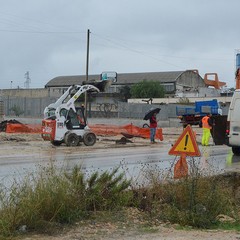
(215, 82)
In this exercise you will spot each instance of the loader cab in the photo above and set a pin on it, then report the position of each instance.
(75, 120)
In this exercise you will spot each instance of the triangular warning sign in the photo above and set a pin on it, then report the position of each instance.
(186, 144)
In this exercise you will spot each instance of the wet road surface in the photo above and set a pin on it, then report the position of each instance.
(135, 162)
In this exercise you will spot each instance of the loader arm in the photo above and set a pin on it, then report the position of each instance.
(49, 111)
(70, 103)
(82, 89)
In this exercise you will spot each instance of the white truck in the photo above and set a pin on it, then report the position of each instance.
(233, 124)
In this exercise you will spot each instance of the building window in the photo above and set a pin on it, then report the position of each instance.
(169, 87)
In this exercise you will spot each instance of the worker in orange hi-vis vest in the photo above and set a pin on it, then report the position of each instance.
(207, 126)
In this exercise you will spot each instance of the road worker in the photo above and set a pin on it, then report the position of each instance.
(206, 126)
(153, 127)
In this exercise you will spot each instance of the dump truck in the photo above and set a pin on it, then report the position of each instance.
(193, 114)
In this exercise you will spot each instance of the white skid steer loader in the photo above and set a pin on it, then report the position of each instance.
(65, 123)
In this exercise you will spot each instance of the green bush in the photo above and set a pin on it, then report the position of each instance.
(55, 197)
(147, 89)
(194, 201)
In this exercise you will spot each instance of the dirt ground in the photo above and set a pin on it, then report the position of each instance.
(27, 143)
(108, 231)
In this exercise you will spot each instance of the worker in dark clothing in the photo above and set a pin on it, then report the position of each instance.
(206, 126)
(153, 127)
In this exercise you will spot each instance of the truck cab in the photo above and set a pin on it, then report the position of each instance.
(233, 129)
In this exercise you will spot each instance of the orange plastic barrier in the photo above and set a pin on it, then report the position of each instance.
(142, 132)
(129, 130)
(23, 128)
(103, 129)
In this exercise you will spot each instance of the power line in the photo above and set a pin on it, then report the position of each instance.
(156, 58)
(39, 32)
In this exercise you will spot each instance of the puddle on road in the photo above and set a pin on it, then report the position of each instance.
(232, 162)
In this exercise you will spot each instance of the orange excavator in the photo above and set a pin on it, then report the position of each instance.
(215, 82)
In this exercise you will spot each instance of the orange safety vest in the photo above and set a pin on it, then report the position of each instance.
(205, 122)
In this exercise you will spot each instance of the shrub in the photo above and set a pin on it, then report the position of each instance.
(194, 200)
(55, 197)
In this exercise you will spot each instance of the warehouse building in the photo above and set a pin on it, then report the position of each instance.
(176, 83)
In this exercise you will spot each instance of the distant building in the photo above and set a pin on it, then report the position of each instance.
(176, 83)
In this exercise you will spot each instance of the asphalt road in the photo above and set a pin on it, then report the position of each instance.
(135, 162)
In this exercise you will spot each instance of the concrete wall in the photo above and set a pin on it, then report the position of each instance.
(31, 93)
(224, 99)
(34, 107)
(190, 79)
(28, 106)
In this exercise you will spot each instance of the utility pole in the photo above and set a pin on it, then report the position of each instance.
(87, 62)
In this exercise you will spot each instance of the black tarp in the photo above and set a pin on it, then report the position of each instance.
(218, 130)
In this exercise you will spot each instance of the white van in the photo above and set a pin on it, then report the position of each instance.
(233, 130)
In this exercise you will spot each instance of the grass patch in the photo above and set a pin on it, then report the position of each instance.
(194, 200)
(53, 198)
(44, 202)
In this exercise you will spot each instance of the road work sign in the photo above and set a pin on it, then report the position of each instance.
(186, 144)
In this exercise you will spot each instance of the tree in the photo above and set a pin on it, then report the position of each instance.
(17, 110)
(125, 92)
(147, 89)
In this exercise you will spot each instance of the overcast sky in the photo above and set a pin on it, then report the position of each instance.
(48, 38)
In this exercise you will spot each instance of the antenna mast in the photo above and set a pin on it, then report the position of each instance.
(28, 80)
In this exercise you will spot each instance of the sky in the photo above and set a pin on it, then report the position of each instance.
(48, 38)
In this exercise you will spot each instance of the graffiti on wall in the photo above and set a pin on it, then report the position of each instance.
(107, 108)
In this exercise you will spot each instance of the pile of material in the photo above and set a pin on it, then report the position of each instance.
(3, 124)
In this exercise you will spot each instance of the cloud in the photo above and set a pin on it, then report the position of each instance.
(48, 38)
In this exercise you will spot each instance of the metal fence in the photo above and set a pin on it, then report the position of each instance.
(34, 107)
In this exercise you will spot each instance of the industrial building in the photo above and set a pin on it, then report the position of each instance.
(176, 83)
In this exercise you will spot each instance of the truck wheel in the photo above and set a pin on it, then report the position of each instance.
(56, 143)
(89, 139)
(145, 125)
(236, 150)
(71, 139)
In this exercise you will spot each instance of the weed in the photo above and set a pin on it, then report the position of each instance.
(56, 197)
(194, 200)
(43, 202)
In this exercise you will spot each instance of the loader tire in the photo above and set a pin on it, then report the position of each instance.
(56, 143)
(89, 139)
(71, 139)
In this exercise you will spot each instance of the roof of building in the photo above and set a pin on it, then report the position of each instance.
(122, 78)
